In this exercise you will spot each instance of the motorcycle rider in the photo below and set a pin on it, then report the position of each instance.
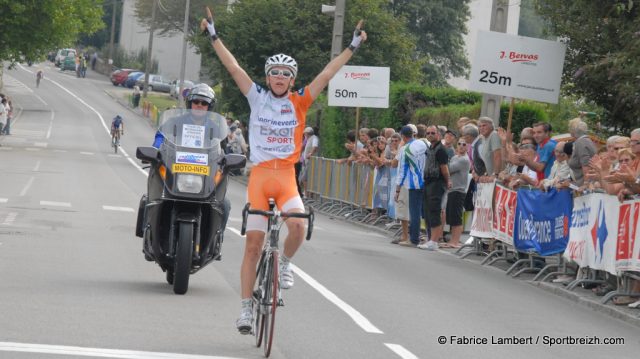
(200, 101)
(276, 124)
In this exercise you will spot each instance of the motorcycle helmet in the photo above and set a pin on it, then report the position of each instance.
(281, 60)
(202, 92)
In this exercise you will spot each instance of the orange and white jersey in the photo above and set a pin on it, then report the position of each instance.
(276, 126)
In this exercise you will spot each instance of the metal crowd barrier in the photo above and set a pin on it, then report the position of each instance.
(341, 189)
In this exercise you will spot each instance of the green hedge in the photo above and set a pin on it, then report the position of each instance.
(410, 103)
(447, 115)
(525, 114)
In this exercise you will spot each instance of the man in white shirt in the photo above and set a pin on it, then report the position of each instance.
(310, 149)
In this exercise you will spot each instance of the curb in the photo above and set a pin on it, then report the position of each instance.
(125, 104)
(591, 302)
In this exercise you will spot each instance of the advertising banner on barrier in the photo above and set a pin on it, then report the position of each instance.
(593, 233)
(542, 221)
(483, 211)
(628, 244)
(504, 213)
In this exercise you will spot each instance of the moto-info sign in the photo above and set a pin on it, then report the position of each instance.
(517, 66)
(360, 86)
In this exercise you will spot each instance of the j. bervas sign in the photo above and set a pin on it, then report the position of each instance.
(517, 66)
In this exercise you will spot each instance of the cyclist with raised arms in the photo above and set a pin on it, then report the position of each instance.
(276, 124)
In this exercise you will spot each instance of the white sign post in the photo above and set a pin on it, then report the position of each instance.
(360, 86)
(517, 66)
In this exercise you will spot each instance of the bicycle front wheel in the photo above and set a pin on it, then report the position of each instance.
(269, 318)
(259, 299)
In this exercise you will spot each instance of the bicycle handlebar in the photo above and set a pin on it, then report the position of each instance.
(248, 210)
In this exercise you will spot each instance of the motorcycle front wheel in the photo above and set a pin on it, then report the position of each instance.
(182, 263)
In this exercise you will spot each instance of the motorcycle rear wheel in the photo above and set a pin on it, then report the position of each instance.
(182, 263)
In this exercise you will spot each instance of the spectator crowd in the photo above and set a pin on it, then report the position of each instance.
(431, 172)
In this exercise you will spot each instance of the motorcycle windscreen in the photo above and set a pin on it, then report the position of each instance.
(191, 150)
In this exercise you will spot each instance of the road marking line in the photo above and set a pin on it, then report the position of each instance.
(234, 231)
(40, 98)
(113, 208)
(6, 148)
(27, 186)
(50, 124)
(98, 352)
(40, 144)
(87, 153)
(10, 218)
(51, 203)
(104, 124)
(37, 167)
(32, 149)
(4, 200)
(401, 351)
(60, 151)
(363, 322)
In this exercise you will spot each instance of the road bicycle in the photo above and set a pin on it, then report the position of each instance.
(115, 139)
(266, 294)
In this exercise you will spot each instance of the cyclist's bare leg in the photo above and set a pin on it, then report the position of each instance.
(295, 237)
(252, 251)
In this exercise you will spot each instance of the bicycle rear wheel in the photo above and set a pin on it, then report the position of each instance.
(269, 318)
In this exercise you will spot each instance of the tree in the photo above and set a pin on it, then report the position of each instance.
(252, 33)
(31, 28)
(101, 37)
(439, 27)
(603, 54)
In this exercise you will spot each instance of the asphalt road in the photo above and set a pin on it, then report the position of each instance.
(74, 282)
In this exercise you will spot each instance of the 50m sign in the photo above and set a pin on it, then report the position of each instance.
(360, 86)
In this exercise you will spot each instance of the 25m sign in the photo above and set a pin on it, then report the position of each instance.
(517, 66)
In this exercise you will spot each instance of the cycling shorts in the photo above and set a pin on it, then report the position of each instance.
(279, 184)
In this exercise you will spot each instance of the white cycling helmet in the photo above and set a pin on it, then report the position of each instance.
(201, 92)
(281, 60)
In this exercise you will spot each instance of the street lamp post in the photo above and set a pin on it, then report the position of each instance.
(149, 49)
(111, 40)
(184, 54)
(338, 25)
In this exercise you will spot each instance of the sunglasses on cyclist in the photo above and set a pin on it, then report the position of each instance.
(431, 133)
(199, 102)
(279, 72)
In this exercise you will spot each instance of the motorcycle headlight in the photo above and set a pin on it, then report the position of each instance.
(189, 183)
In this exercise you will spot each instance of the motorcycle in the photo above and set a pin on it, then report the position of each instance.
(181, 217)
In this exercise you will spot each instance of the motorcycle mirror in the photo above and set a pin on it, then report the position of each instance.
(148, 154)
(234, 161)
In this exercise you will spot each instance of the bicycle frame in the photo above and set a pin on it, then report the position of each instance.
(267, 293)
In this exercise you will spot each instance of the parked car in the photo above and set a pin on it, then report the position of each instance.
(62, 54)
(69, 62)
(118, 77)
(175, 88)
(156, 83)
(132, 78)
